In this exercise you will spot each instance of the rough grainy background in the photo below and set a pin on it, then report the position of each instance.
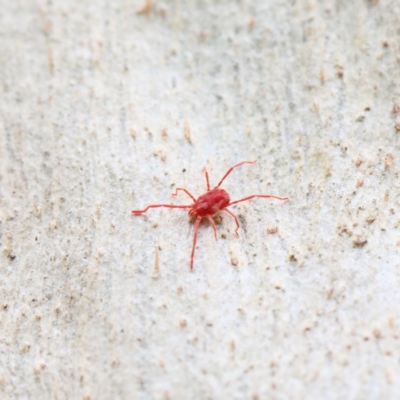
(104, 110)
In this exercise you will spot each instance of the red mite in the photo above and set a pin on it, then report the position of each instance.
(209, 204)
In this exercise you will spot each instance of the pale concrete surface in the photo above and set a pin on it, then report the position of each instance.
(104, 110)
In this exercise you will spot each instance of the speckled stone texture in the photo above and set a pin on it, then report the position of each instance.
(104, 110)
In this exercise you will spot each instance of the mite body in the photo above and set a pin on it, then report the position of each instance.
(210, 203)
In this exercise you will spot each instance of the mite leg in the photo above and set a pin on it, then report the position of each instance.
(265, 196)
(186, 191)
(196, 229)
(207, 180)
(138, 212)
(213, 226)
(236, 220)
(231, 168)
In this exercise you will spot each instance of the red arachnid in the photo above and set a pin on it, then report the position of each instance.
(209, 204)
